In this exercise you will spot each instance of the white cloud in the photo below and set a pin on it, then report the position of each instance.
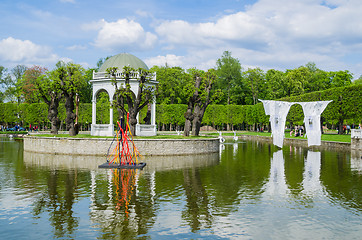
(66, 60)
(93, 26)
(171, 60)
(273, 33)
(67, 1)
(15, 50)
(76, 47)
(123, 34)
(143, 13)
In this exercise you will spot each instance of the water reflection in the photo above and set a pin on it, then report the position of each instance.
(154, 163)
(248, 190)
(52, 161)
(311, 176)
(120, 210)
(277, 184)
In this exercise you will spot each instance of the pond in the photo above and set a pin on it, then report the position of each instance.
(250, 190)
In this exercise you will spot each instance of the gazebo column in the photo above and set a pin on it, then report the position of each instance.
(153, 113)
(111, 115)
(94, 108)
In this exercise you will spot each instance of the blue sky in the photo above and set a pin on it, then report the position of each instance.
(270, 34)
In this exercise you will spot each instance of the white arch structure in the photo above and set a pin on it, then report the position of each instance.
(278, 111)
(102, 82)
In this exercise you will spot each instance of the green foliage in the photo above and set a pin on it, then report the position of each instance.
(85, 113)
(255, 82)
(11, 83)
(171, 114)
(8, 113)
(103, 106)
(85, 89)
(34, 113)
(215, 115)
(28, 83)
(230, 79)
(170, 87)
(341, 78)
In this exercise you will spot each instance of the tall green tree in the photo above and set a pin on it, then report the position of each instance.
(28, 87)
(85, 89)
(70, 77)
(170, 87)
(296, 80)
(341, 78)
(2, 87)
(11, 82)
(230, 79)
(318, 79)
(255, 80)
(18, 72)
(275, 84)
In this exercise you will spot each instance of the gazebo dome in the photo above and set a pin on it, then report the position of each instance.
(121, 60)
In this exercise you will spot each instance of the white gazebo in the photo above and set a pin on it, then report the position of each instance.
(102, 82)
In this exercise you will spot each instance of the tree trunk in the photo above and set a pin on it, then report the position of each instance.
(53, 118)
(53, 113)
(187, 128)
(132, 121)
(188, 118)
(198, 115)
(70, 115)
(340, 127)
(189, 115)
(147, 119)
(196, 123)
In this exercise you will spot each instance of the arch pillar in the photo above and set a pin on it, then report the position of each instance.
(101, 129)
(278, 111)
(148, 129)
(94, 112)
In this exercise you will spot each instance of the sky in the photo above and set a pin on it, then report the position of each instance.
(269, 34)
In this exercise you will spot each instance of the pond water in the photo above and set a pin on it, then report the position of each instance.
(251, 190)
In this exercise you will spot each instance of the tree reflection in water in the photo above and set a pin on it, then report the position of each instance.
(58, 200)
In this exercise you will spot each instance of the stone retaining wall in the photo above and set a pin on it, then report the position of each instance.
(356, 139)
(99, 146)
(302, 142)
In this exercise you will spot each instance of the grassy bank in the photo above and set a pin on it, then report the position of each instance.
(13, 132)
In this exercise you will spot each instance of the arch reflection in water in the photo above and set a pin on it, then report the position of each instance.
(311, 184)
(311, 176)
(276, 184)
